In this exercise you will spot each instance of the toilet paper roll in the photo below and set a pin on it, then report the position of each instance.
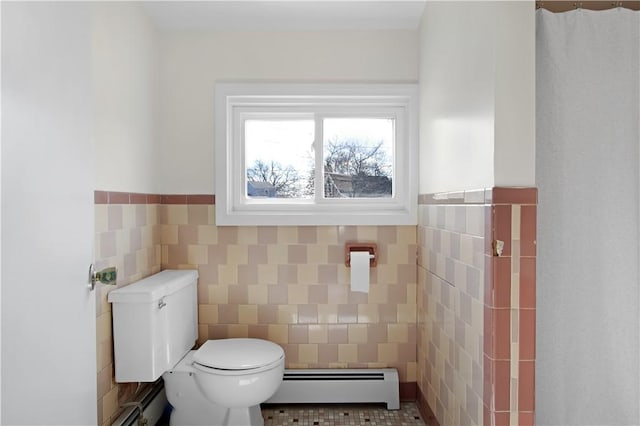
(360, 271)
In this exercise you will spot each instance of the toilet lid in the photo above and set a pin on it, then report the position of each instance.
(237, 354)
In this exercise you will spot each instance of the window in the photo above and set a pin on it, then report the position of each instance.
(316, 154)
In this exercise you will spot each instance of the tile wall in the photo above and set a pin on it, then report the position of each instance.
(476, 309)
(510, 309)
(128, 237)
(290, 285)
(438, 288)
(285, 284)
(451, 311)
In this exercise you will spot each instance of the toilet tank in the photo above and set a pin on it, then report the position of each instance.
(155, 323)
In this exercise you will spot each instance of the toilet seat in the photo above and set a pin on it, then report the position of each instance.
(237, 356)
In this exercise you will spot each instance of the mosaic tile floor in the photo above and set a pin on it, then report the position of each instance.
(341, 414)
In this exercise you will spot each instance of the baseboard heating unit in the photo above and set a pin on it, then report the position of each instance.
(146, 408)
(339, 386)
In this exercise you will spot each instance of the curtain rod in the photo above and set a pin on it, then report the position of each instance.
(565, 6)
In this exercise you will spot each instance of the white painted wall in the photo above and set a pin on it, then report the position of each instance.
(476, 73)
(515, 94)
(124, 73)
(457, 96)
(191, 63)
(477, 95)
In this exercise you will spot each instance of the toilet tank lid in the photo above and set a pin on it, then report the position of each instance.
(154, 287)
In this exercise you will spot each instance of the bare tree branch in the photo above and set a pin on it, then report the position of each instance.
(354, 157)
(283, 179)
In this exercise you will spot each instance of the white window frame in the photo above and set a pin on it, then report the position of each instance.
(235, 102)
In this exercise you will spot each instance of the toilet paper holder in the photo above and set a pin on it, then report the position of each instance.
(372, 248)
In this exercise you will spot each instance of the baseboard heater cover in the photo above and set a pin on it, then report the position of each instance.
(153, 401)
(339, 386)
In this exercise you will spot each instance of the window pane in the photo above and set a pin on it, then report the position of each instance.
(358, 157)
(279, 158)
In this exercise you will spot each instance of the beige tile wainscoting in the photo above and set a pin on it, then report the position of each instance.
(455, 319)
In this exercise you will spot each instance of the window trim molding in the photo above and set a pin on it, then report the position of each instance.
(233, 97)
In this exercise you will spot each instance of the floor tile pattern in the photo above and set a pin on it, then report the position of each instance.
(341, 414)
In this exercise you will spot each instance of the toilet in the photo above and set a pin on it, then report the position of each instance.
(223, 382)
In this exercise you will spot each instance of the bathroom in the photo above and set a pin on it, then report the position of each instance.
(150, 117)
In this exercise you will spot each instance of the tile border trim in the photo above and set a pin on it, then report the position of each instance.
(495, 195)
(408, 391)
(425, 410)
(117, 197)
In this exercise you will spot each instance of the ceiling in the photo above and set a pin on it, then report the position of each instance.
(291, 15)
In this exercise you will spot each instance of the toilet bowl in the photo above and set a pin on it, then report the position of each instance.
(228, 378)
(238, 372)
(222, 383)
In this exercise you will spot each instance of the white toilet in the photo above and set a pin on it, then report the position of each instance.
(221, 383)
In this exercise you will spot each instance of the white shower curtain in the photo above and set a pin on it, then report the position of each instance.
(587, 172)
